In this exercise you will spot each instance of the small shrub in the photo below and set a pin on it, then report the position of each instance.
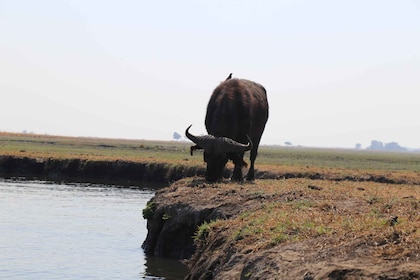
(203, 231)
(149, 211)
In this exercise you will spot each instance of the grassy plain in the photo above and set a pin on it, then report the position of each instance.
(59, 147)
(330, 163)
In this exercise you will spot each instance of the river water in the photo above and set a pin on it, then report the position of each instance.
(76, 231)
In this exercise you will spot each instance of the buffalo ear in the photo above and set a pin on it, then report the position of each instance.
(193, 148)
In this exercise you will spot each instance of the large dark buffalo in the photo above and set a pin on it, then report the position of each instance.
(236, 116)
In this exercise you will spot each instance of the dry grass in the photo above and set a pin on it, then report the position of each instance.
(298, 209)
(269, 157)
(272, 162)
(305, 229)
(94, 149)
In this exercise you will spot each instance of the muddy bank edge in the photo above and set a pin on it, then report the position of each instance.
(106, 172)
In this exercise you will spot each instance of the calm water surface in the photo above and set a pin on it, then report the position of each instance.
(51, 231)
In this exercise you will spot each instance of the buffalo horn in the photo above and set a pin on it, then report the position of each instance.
(203, 142)
(208, 141)
(236, 147)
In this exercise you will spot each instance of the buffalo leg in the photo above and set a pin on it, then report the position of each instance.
(237, 171)
(251, 172)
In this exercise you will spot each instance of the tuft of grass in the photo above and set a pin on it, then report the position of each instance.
(149, 210)
(301, 204)
(248, 275)
(204, 230)
(280, 238)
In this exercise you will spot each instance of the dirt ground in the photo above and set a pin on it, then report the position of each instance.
(296, 228)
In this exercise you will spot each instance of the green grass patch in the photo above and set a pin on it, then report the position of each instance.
(204, 230)
(149, 210)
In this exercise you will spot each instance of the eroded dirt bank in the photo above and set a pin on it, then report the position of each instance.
(137, 173)
(288, 229)
(79, 170)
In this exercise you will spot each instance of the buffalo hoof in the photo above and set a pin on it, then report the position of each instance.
(250, 176)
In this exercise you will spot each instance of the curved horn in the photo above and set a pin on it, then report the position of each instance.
(233, 146)
(190, 136)
(201, 141)
(226, 144)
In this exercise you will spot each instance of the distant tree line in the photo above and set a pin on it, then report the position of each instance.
(376, 145)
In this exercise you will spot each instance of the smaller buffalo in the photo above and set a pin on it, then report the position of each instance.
(236, 116)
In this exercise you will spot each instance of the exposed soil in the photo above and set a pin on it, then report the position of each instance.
(137, 173)
(95, 171)
(357, 250)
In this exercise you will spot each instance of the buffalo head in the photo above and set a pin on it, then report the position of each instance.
(216, 152)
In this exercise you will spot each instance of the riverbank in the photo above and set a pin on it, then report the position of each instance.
(118, 172)
(289, 228)
(311, 214)
(137, 173)
(107, 161)
(134, 162)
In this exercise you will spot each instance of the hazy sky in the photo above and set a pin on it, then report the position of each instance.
(337, 73)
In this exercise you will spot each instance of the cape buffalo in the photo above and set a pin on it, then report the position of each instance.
(236, 116)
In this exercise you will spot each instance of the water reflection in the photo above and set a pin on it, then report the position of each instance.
(165, 268)
(78, 231)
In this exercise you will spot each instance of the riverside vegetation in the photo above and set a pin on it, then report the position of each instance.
(311, 213)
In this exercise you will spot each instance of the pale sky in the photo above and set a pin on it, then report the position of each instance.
(337, 73)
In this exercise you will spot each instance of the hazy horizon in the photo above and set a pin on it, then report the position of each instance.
(336, 73)
(357, 146)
